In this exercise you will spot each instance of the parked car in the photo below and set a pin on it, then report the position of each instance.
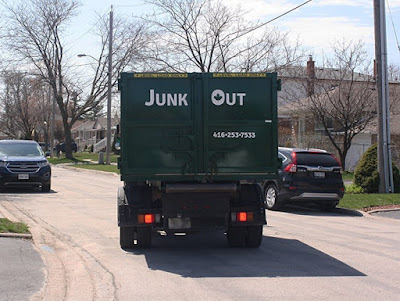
(46, 148)
(308, 176)
(61, 147)
(23, 163)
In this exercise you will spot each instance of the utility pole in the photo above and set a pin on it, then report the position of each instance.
(384, 154)
(53, 109)
(110, 37)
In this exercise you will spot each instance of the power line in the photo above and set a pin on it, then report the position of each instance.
(281, 15)
(394, 29)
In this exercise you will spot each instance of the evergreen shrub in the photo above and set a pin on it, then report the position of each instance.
(366, 174)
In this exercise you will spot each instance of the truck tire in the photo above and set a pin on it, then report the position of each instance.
(271, 198)
(143, 238)
(254, 236)
(236, 236)
(126, 236)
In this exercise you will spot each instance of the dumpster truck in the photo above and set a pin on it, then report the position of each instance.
(194, 149)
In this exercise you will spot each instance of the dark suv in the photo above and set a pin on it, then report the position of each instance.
(22, 163)
(307, 175)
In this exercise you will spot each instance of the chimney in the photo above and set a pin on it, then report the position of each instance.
(310, 76)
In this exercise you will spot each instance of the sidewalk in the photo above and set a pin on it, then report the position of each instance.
(22, 269)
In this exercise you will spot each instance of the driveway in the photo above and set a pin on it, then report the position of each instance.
(305, 254)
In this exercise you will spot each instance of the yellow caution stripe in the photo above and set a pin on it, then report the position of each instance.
(161, 75)
(239, 75)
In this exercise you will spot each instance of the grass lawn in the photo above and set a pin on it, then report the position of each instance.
(364, 200)
(82, 157)
(101, 167)
(7, 226)
(347, 176)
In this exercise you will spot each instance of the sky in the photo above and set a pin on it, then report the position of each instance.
(318, 23)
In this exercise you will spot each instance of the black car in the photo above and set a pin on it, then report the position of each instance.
(61, 147)
(308, 176)
(23, 163)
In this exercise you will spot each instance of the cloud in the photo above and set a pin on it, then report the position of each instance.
(320, 33)
(261, 9)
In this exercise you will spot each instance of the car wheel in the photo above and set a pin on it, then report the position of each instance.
(271, 198)
(46, 188)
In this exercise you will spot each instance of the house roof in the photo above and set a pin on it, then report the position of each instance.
(300, 108)
(99, 124)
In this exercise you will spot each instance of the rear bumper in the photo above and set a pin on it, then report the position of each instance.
(317, 196)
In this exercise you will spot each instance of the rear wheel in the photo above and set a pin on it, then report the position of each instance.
(143, 237)
(126, 236)
(236, 236)
(271, 198)
(254, 236)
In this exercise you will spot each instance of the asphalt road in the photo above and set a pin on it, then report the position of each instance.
(305, 254)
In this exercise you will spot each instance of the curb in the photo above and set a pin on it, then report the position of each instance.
(68, 166)
(383, 210)
(16, 235)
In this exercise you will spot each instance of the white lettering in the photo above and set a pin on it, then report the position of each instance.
(151, 101)
(241, 97)
(172, 100)
(169, 99)
(219, 97)
(163, 100)
(230, 102)
(182, 99)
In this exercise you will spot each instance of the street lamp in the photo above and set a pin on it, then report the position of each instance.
(109, 74)
(88, 55)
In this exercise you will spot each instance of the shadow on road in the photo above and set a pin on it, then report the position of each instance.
(24, 190)
(312, 209)
(207, 255)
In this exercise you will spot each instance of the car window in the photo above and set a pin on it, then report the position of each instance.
(316, 159)
(285, 160)
(21, 149)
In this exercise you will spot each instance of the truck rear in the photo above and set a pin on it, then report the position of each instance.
(194, 148)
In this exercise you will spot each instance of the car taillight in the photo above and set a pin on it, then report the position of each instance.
(292, 167)
(340, 164)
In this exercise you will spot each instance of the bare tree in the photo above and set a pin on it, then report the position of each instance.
(35, 35)
(394, 72)
(342, 97)
(129, 40)
(207, 36)
(25, 105)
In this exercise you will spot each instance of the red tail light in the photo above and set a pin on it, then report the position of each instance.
(340, 164)
(242, 216)
(292, 167)
(146, 218)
